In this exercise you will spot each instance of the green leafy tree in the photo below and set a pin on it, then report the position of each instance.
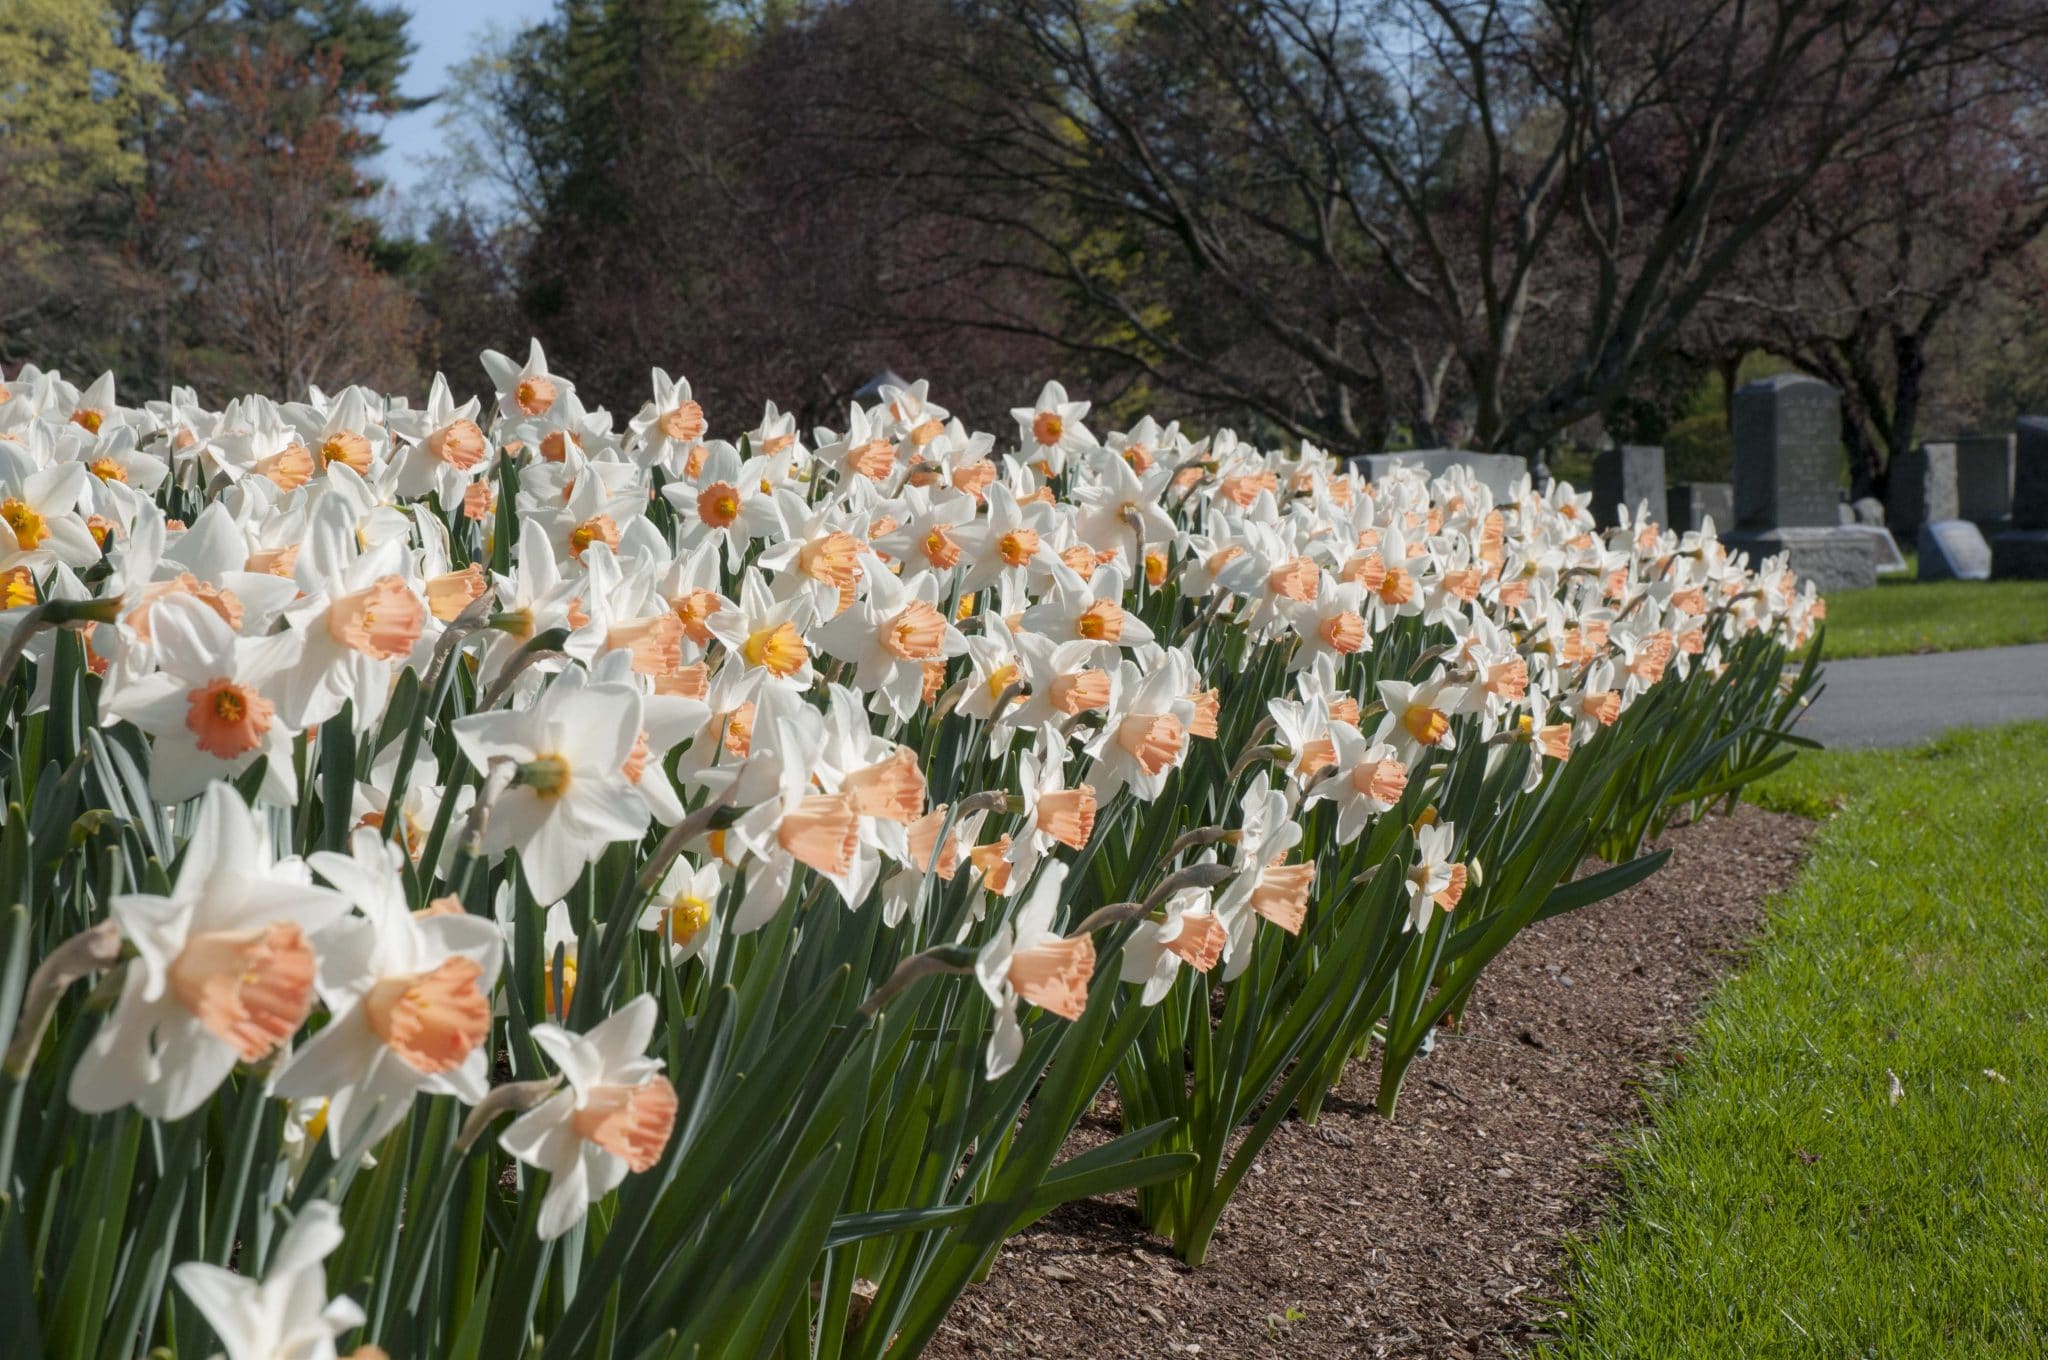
(70, 96)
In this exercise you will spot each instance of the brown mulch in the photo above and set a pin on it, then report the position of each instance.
(1438, 1233)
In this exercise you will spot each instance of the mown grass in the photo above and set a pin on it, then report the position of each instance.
(1903, 615)
(1786, 1199)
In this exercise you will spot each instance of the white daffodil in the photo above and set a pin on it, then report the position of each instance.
(1088, 611)
(1365, 779)
(1050, 430)
(410, 997)
(448, 449)
(726, 502)
(864, 454)
(1597, 703)
(207, 707)
(1062, 680)
(114, 460)
(614, 1118)
(1054, 814)
(525, 390)
(992, 667)
(928, 538)
(1119, 509)
(797, 823)
(891, 635)
(1006, 543)
(1146, 736)
(1027, 961)
(1435, 879)
(684, 911)
(670, 426)
(40, 518)
(224, 971)
(286, 1315)
(572, 796)
(1265, 888)
(357, 627)
(1418, 717)
(1331, 627)
(767, 635)
(1191, 933)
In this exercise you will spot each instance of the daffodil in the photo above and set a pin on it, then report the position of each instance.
(1050, 430)
(1190, 932)
(210, 707)
(570, 795)
(684, 911)
(410, 999)
(1434, 879)
(725, 500)
(446, 449)
(1028, 962)
(1144, 738)
(670, 426)
(894, 631)
(224, 969)
(1418, 717)
(614, 1117)
(287, 1314)
(524, 390)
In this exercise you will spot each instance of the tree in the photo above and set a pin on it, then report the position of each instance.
(69, 96)
(1319, 209)
(263, 185)
(672, 198)
(1860, 288)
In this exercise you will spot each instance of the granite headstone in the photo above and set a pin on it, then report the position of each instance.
(2030, 473)
(1953, 550)
(2022, 550)
(871, 390)
(1788, 463)
(1984, 480)
(1788, 454)
(1923, 488)
(1627, 476)
(1688, 503)
(1498, 472)
(1884, 549)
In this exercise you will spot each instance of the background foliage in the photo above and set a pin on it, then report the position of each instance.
(1373, 223)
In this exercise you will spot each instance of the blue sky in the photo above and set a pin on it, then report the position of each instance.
(446, 32)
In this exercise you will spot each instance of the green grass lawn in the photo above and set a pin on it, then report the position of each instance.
(1787, 1199)
(1904, 615)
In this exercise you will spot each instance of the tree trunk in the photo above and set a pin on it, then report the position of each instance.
(1729, 366)
(1909, 375)
(1429, 396)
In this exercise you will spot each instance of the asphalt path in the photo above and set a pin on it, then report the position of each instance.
(1905, 700)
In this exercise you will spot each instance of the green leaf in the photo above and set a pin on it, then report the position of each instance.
(1583, 892)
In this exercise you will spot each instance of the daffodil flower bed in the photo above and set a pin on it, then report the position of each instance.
(485, 881)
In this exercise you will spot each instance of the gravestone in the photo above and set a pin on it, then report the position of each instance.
(1788, 463)
(1984, 480)
(1627, 476)
(1923, 488)
(1868, 510)
(871, 390)
(2022, 550)
(1884, 549)
(1788, 454)
(1497, 472)
(1689, 503)
(1953, 550)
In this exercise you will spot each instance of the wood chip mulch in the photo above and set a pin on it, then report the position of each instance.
(1438, 1233)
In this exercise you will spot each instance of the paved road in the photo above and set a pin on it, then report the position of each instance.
(1905, 700)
